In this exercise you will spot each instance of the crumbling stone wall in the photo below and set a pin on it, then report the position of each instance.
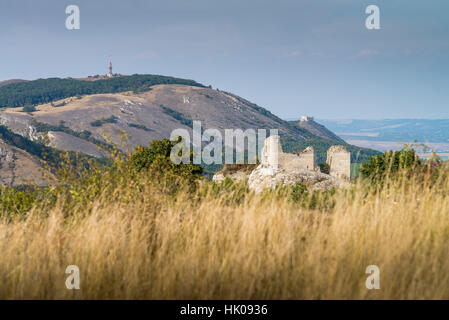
(271, 152)
(339, 161)
(272, 156)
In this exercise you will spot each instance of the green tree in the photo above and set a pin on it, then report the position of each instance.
(157, 158)
(28, 108)
(390, 163)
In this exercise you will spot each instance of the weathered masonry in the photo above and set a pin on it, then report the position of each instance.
(272, 156)
(339, 161)
(338, 158)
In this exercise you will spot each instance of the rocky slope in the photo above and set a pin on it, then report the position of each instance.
(18, 167)
(143, 117)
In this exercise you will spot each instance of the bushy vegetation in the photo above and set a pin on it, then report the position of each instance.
(177, 116)
(15, 202)
(390, 163)
(48, 90)
(143, 228)
(157, 158)
(28, 108)
(139, 126)
(324, 168)
(100, 122)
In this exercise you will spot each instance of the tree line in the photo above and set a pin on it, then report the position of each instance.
(48, 90)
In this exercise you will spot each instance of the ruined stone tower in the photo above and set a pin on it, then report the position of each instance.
(339, 161)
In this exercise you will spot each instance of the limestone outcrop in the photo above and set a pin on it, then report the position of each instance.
(265, 177)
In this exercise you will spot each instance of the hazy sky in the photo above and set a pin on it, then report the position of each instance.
(292, 57)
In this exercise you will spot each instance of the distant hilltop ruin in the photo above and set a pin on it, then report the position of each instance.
(306, 118)
(308, 123)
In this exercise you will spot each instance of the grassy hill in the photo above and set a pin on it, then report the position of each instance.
(48, 90)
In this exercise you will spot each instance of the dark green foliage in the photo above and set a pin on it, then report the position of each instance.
(324, 168)
(299, 192)
(177, 115)
(28, 108)
(15, 202)
(96, 123)
(390, 163)
(138, 126)
(157, 158)
(47, 90)
(100, 122)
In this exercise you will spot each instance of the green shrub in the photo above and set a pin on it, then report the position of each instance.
(15, 202)
(324, 168)
(138, 126)
(29, 108)
(299, 192)
(177, 116)
(100, 122)
(390, 163)
(157, 158)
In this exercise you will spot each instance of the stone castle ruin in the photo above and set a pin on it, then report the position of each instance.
(272, 156)
(278, 167)
(339, 161)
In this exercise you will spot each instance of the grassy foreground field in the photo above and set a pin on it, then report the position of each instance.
(137, 237)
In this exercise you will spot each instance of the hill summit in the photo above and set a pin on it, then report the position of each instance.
(308, 123)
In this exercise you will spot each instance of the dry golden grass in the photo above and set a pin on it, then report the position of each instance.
(135, 242)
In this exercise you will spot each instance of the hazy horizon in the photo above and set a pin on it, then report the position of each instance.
(364, 119)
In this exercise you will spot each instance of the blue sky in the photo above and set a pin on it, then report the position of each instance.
(292, 57)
